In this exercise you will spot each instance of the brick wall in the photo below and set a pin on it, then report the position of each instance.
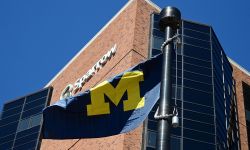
(130, 31)
(240, 77)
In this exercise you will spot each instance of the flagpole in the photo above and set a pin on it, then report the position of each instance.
(170, 18)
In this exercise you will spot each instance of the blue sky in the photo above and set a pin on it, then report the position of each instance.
(37, 38)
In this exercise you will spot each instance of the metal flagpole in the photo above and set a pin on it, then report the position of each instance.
(170, 18)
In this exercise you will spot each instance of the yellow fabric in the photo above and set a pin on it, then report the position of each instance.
(129, 82)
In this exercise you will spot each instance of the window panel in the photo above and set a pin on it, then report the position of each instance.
(26, 146)
(6, 138)
(176, 131)
(197, 77)
(23, 125)
(12, 112)
(197, 69)
(150, 148)
(197, 85)
(37, 95)
(157, 42)
(24, 130)
(198, 117)
(10, 119)
(197, 52)
(158, 33)
(10, 129)
(189, 144)
(198, 35)
(198, 126)
(26, 139)
(38, 102)
(195, 61)
(196, 27)
(151, 142)
(179, 72)
(152, 125)
(175, 143)
(6, 146)
(155, 52)
(199, 97)
(13, 104)
(196, 42)
(156, 24)
(27, 132)
(33, 111)
(199, 136)
(198, 108)
(35, 120)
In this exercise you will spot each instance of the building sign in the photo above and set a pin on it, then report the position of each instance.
(70, 89)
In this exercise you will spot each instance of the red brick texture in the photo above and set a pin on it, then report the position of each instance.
(240, 77)
(130, 31)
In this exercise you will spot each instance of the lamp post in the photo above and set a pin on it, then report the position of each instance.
(170, 18)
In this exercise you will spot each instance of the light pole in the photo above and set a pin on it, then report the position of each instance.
(170, 18)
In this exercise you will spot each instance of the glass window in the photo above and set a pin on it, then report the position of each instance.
(198, 35)
(150, 148)
(151, 139)
(38, 102)
(6, 146)
(198, 85)
(196, 27)
(201, 136)
(196, 42)
(12, 112)
(197, 69)
(155, 52)
(178, 102)
(35, 120)
(189, 144)
(28, 138)
(23, 124)
(176, 131)
(179, 72)
(152, 125)
(13, 104)
(158, 33)
(7, 138)
(10, 129)
(175, 143)
(177, 94)
(9, 119)
(197, 52)
(25, 146)
(198, 108)
(33, 111)
(11, 126)
(37, 95)
(156, 25)
(198, 62)
(157, 42)
(179, 80)
(198, 117)
(198, 126)
(197, 77)
(199, 97)
(27, 132)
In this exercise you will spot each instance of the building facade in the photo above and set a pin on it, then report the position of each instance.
(21, 121)
(210, 92)
(203, 91)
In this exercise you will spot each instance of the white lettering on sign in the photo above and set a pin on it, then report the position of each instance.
(70, 89)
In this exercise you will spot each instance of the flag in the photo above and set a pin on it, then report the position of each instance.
(115, 106)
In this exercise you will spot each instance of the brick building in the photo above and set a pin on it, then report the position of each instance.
(132, 32)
